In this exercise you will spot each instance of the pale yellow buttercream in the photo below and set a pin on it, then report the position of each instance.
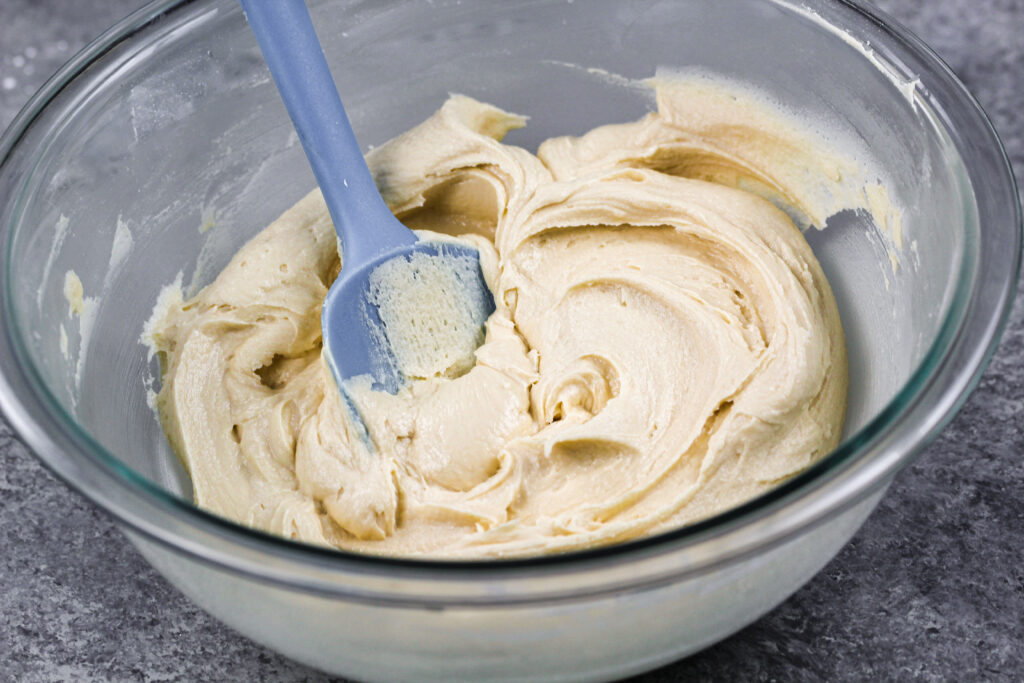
(665, 345)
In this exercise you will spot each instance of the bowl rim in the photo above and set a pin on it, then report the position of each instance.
(859, 465)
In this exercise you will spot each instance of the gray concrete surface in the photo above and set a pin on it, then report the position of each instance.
(932, 588)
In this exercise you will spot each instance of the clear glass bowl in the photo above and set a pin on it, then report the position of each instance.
(169, 126)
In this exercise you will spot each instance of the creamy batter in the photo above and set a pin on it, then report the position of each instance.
(665, 344)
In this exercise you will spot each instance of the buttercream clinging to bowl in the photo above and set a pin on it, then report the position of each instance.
(665, 345)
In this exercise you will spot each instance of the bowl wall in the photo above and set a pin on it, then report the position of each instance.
(591, 639)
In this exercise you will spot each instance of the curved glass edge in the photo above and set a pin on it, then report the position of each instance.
(689, 535)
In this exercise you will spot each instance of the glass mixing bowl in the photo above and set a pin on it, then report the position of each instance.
(163, 146)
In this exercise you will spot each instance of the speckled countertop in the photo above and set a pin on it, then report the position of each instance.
(931, 588)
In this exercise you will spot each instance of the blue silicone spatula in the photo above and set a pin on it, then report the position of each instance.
(394, 292)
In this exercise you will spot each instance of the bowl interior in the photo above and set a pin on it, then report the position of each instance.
(173, 149)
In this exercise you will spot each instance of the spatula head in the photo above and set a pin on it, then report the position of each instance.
(413, 313)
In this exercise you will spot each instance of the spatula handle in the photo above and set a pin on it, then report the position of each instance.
(285, 33)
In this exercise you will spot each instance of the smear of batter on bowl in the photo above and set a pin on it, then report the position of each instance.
(665, 345)
(84, 307)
